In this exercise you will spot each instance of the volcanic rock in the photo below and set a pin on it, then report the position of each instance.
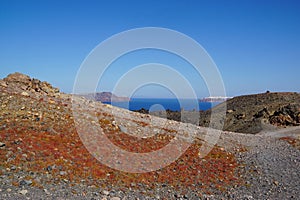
(249, 113)
(23, 84)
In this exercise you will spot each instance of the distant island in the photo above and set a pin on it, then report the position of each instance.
(105, 97)
(214, 99)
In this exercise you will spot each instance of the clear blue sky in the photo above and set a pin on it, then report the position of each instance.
(255, 44)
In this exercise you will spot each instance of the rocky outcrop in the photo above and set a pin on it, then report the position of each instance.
(286, 116)
(250, 113)
(20, 83)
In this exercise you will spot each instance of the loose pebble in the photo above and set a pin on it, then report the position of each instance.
(23, 192)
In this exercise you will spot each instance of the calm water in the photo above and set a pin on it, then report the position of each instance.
(163, 104)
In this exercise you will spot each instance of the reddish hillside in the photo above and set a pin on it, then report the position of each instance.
(38, 135)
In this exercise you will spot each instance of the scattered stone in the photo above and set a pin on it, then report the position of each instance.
(132, 184)
(46, 191)
(23, 192)
(2, 144)
(51, 101)
(49, 168)
(240, 116)
(25, 94)
(13, 167)
(105, 192)
(276, 183)
(25, 183)
(62, 173)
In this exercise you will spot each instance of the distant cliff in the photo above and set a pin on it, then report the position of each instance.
(105, 97)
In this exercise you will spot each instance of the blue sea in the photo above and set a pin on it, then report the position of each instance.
(163, 104)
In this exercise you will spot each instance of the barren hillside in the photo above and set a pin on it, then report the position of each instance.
(42, 154)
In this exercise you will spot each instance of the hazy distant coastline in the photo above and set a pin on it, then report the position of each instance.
(105, 97)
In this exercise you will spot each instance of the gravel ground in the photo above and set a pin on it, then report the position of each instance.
(270, 170)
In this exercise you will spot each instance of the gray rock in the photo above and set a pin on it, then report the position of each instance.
(23, 192)
(105, 192)
(62, 173)
(13, 167)
(25, 183)
(46, 191)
